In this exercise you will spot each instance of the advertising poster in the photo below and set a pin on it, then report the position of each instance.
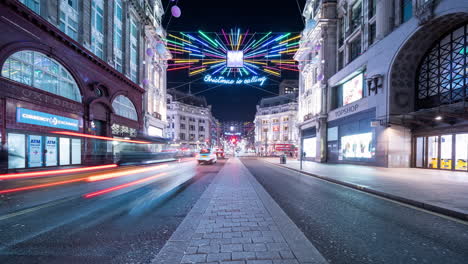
(35, 151)
(51, 151)
(352, 89)
(357, 146)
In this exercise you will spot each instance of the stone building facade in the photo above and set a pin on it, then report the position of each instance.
(70, 67)
(275, 125)
(397, 97)
(190, 121)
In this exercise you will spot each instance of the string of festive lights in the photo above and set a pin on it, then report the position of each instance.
(232, 52)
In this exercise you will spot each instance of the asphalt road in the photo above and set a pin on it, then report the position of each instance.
(348, 226)
(130, 225)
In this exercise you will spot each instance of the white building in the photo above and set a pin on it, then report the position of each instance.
(155, 81)
(275, 125)
(189, 121)
(397, 97)
(316, 63)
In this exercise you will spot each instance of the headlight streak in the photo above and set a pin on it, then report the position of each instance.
(122, 186)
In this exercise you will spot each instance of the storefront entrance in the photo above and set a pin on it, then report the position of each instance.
(446, 152)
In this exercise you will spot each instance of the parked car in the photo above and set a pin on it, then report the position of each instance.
(206, 156)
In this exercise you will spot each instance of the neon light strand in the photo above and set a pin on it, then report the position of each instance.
(258, 42)
(179, 68)
(208, 38)
(293, 38)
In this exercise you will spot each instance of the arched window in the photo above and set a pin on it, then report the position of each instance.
(124, 107)
(36, 69)
(442, 73)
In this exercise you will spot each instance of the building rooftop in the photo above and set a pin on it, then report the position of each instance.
(278, 100)
(187, 98)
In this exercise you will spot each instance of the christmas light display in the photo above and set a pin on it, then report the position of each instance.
(233, 57)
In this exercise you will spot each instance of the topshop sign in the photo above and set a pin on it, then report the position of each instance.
(32, 117)
(236, 81)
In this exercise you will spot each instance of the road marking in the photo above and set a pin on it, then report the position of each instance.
(33, 209)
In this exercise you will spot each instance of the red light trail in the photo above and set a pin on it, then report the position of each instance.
(53, 172)
(119, 187)
(99, 137)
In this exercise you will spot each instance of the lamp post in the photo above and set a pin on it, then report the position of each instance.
(266, 141)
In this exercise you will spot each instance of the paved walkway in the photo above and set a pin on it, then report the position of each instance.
(237, 222)
(441, 191)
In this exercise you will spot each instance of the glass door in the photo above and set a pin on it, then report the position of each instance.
(420, 151)
(446, 152)
(461, 152)
(432, 152)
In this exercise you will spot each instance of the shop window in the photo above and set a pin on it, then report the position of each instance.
(38, 70)
(358, 146)
(76, 151)
(406, 10)
(34, 5)
(340, 60)
(461, 152)
(16, 151)
(51, 151)
(310, 147)
(124, 107)
(64, 151)
(34, 151)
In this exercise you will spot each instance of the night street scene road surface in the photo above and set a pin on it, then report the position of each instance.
(246, 132)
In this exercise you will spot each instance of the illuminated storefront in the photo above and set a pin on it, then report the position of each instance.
(446, 152)
(47, 88)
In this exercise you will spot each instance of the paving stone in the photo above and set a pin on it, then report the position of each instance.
(285, 261)
(219, 256)
(259, 262)
(194, 258)
(267, 255)
(241, 240)
(233, 262)
(231, 248)
(212, 235)
(243, 255)
(191, 250)
(199, 242)
(277, 246)
(208, 249)
(255, 247)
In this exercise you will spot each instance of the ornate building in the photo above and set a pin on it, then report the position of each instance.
(275, 125)
(398, 94)
(316, 63)
(70, 67)
(190, 122)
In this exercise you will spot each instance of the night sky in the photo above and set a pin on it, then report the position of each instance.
(232, 102)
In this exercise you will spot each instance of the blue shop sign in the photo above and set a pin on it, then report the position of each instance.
(28, 116)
